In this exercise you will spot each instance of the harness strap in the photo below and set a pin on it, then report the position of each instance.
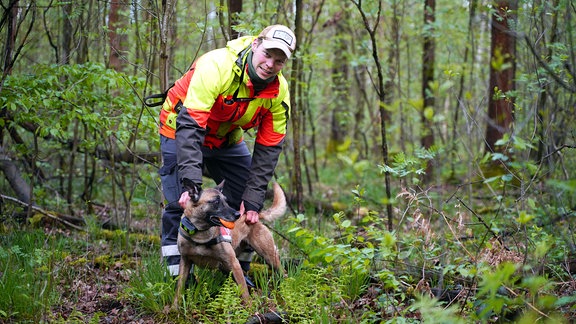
(223, 237)
(157, 99)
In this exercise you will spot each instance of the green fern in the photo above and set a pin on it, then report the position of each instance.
(227, 306)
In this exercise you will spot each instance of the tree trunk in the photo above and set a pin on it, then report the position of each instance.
(428, 61)
(460, 102)
(543, 112)
(340, 89)
(234, 8)
(166, 18)
(382, 99)
(7, 63)
(296, 77)
(117, 36)
(83, 21)
(502, 71)
(66, 34)
(14, 177)
(11, 12)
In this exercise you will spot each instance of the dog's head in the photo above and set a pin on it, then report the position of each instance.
(211, 209)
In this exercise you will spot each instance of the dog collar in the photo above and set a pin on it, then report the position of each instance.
(187, 230)
(187, 226)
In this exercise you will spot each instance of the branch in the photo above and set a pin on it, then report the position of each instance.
(558, 150)
(42, 211)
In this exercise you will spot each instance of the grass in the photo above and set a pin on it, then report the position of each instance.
(30, 267)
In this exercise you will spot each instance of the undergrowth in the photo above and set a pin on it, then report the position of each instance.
(482, 252)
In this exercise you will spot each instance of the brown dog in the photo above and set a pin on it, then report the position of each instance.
(212, 233)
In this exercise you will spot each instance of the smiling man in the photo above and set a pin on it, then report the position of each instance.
(202, 122)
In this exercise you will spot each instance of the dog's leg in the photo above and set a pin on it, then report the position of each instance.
(183, 271)
(238, 275)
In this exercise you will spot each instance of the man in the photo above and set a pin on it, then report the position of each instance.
(202, 121)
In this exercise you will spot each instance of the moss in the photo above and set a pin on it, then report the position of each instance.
(102, 261)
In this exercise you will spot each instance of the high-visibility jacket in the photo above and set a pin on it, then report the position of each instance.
(199, 110)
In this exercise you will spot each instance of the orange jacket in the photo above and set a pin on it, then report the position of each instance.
(210, 82)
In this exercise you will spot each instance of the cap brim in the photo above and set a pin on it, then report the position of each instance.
(269, 44)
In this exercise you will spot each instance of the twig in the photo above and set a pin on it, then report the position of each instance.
(548, 68)
(558, 150)
(482, 221)
(527, 303)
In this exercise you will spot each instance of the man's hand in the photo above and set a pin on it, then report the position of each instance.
(252, 216)
(192, 192)
(184, 199)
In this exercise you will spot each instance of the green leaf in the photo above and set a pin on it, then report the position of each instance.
(346, 223)
(524, 218)
(429, 113)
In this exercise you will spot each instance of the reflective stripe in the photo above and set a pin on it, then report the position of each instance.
(170, 250)
(174, 269)
(227, 238)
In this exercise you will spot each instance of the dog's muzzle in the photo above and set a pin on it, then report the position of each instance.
(222, 222)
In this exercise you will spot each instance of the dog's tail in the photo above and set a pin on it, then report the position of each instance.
(278, 208)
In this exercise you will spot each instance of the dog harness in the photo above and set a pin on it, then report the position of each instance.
(187, 230)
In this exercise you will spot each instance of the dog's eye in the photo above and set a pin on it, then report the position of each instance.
(215, 200)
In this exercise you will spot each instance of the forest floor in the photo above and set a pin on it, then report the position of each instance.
(97, 272)
(102, 276)
(97, 297)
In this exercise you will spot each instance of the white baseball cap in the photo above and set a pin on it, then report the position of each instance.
(280, 37)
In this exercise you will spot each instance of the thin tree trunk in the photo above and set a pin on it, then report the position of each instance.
(294, 111)
(82, 56)
(66, 33)
(542, 110)
(382, 98)
(340, 87)
(392, 60)
(7, 62)
(166, 20)
(460, 99)
(428, 61)
(10, 44)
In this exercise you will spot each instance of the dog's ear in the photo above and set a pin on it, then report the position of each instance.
(220, 187)
(195, 193)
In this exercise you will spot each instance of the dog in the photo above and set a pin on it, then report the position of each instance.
(212, 234)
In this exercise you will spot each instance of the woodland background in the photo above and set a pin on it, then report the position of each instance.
(449, 120)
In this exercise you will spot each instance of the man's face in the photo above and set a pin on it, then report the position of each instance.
(267, 62)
